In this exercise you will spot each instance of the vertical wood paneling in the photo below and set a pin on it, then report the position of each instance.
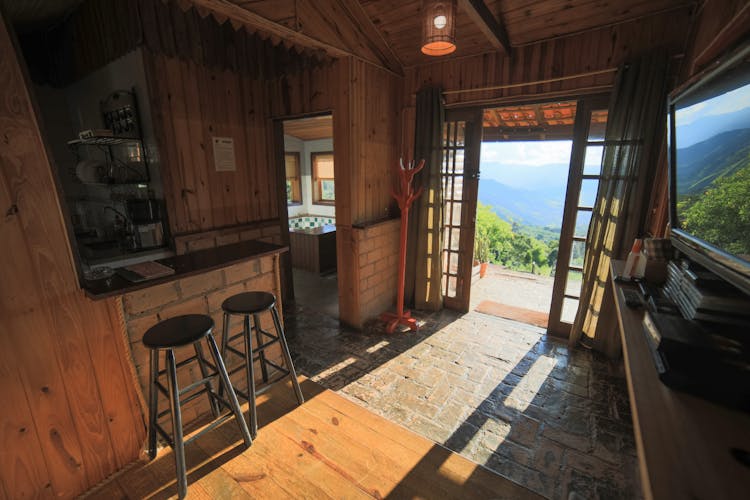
(59, 422)
(589, 51)
(194, 104)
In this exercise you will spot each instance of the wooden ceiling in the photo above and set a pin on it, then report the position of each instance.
(547, 121)
(526, 21)
(387, 33)
(310, 129)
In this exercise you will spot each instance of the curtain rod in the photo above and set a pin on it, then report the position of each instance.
(538, 82)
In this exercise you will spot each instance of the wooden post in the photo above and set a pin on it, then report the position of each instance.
(405, 197)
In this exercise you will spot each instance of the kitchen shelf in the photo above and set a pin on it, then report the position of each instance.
(103, 141)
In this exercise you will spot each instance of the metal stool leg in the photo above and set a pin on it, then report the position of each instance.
(230, 391)
(204, 373)
(179, 446)
(224, 343)
(250, 373)
(261, 353)
(287, 355)
(153, 399)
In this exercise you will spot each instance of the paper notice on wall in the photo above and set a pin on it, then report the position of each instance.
(224, 154)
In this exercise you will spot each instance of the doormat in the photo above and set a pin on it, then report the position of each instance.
(520, 314)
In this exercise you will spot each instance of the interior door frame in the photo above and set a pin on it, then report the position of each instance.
(470, 186)
(285, 262)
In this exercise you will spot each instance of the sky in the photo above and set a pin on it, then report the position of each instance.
(521, 164)
(723, 104)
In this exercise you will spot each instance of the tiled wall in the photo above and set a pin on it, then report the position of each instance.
(308, 221)
(201, 294)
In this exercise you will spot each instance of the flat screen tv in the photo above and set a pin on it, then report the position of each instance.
(709, 146)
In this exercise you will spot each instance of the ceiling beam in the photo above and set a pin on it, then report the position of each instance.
(260, 23)
(256, 21)
(373, 35)
(492, 28)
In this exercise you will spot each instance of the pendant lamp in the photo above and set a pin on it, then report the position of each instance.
(439, 27)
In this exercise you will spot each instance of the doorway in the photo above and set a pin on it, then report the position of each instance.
(311, 211)
(529, 214)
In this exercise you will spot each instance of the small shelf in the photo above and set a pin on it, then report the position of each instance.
(103, 141)
(123, 183)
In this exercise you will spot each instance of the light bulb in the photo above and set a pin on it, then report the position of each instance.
(440, 22)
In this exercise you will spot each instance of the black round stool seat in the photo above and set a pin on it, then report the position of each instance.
(178, 331)
(249, 303)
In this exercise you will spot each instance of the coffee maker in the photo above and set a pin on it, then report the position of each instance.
(147, 224)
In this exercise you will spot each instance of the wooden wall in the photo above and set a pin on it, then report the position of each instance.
(591, 51)
(70, 415)
(365, 103)
(191, 104)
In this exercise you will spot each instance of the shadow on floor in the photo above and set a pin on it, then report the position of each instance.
(553, 419)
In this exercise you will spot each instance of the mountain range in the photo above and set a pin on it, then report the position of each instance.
(699, 165)
(537, 205)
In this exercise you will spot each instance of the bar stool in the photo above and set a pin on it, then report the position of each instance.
(165, 336)
(251, 304)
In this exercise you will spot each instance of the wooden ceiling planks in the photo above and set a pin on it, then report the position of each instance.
(525, 21)
(533, 21)
(310, 129)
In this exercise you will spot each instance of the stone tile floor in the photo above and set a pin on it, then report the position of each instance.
(554, 419)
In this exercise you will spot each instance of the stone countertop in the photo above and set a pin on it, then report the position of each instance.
(184, 266)
(324, 229)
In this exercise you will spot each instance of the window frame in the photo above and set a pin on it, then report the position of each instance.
(294, 179)
(317, 182)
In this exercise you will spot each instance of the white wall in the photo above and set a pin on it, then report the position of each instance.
(305, 148)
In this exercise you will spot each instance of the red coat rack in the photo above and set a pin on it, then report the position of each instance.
(405, 197)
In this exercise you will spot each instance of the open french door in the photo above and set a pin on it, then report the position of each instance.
(583, 183)
(462, 138)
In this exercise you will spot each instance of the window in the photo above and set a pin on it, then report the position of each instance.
(293, 178)
(322, 178)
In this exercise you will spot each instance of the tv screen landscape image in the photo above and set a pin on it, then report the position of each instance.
(710, 140)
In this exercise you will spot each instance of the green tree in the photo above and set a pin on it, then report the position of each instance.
(515, 246)
(722, 215)
(497, 231)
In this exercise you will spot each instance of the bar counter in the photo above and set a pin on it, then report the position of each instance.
(185, 266)
(202, 281)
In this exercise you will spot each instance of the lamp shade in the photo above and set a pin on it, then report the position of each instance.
(439, 27)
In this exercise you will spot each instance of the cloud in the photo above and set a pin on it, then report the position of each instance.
(729, 102)
(532, 153)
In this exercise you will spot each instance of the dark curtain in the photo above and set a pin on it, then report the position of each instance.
(636, 128)
(423, 268)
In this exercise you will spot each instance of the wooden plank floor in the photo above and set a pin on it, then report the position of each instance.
(329, 447)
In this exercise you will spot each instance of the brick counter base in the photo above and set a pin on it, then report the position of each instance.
(202, 294)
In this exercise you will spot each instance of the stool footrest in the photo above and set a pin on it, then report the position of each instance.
(214, 424)
(267, 385)
(187, 388)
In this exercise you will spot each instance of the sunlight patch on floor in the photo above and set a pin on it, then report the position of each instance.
(529, 386)
(377, 346)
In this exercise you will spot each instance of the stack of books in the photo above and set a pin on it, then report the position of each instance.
(700, 294)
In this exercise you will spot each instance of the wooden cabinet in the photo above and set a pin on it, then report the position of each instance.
(313, 249)
(685, 444)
